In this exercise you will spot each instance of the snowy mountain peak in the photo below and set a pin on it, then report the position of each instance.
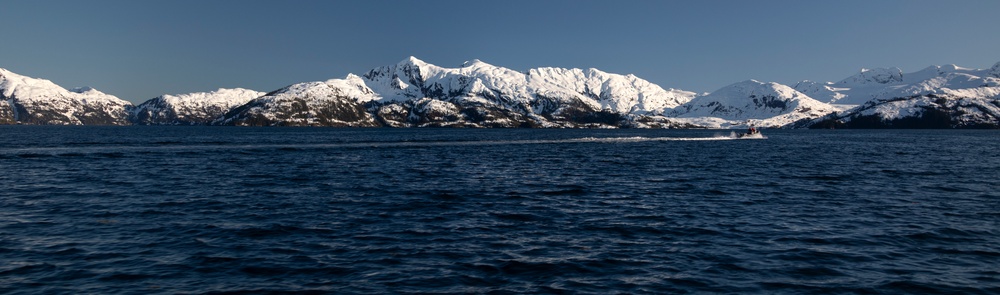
(40, 101)
(875, 76)
(4, 73)
(471, 63)
(951, 68)
(995, 70)
(88, 91)
(353, 77)
(936, 71)
(82, 89)
(477, 65)
(12, 83)
(25, 88)
(7, 83)
(413, 61)
(410, 70)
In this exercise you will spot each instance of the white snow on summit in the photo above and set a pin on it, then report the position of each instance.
(27, 88)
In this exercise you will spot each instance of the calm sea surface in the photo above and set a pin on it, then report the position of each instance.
(141, 210)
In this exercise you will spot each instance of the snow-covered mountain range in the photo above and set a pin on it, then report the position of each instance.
(414, 93)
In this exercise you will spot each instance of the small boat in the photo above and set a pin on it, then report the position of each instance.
(753, 132)
(750, 134)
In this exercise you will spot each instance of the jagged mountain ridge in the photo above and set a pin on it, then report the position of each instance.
(415, 93)
(413, 78)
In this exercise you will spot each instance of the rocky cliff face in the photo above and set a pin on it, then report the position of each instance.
(7, 113)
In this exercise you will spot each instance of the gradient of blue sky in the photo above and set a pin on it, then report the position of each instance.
(140, 49)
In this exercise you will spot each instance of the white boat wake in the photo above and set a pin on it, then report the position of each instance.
(143, 147)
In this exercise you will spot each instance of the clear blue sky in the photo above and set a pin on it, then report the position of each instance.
(141, 49)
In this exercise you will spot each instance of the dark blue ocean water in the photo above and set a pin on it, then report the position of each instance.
(145, 210)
